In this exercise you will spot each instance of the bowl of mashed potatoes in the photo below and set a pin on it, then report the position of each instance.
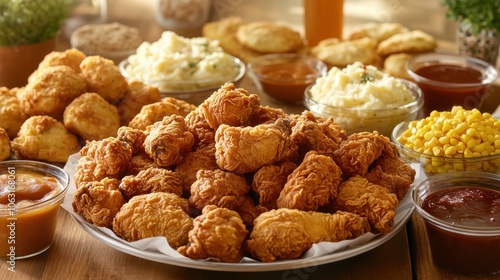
(362, 98)
(185, 68)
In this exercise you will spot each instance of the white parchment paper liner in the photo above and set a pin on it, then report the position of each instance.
(160, 244)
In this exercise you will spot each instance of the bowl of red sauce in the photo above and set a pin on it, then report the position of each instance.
(449, 80)
(461, 211)
(31, 193)
(285, 77)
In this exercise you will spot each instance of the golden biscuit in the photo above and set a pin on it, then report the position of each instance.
(104, 78)
(91, 117)
(335, 52)
(51, 90)
(4, 145)
(269, 37)
(11, 114)
(46, 139)
(377, 31)
(224, 31)
(394, 65)
(415, 41)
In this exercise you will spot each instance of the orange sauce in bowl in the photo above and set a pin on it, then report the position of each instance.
(286, 81)
(28, 213)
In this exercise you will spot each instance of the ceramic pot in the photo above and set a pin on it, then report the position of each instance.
(17, 63)
(483, 45)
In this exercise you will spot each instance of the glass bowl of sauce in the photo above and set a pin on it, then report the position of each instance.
(461, 211)
(285, 77)
(31, 193)
(448, 80)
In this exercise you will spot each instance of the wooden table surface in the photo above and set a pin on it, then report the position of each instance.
(75, 254)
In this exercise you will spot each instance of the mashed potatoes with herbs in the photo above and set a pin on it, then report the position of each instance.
(360, 86)
(362, 98)
(178, 63)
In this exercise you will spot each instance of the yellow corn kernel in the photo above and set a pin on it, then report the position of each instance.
(450, 151)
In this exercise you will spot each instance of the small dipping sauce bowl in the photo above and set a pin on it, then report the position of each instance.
(285, 77)
(462, 219)
(448, 80)
(31, 193)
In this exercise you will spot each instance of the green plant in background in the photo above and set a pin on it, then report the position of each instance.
(31, 21)
(479, 14)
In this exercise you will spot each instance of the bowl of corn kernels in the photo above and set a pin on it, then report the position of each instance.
(447, 141)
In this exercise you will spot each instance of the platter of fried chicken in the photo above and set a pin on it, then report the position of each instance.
(234, 185)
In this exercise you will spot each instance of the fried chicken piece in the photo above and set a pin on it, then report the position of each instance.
(4, 145)
(202, 158)
(246, 149)
(98, 201)
(217, 233)
(249, 211)
(312, 185)
(168, 140)
(229, 105)
(151, 180)
(103, 77)
(360, 150)
(151, 113)
(70, 57)
(134, 137)
(139, 162)
(199, 127)
(183, 107)
(393, 174)
(108, 157)
(154, 214)
(358, 195)
(218, 187)
(46, 139)
(11, 114)
(269, 181)
(137, 96)
(266, 114)
(91, 117)
(287, 233)
(51, 90)
(312, 133)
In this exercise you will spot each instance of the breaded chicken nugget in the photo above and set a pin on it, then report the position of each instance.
(91, 117)
(269, 37)
(137, 96)
(51, 90)
(154, 214)
(11, 114)
(103, 77)
(69, 57)
(46, 139)
(151, 113)
(4, 145)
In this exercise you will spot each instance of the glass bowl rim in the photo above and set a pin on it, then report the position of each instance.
(487, 69)
(38, 166)
(449, 226)
(237, 78)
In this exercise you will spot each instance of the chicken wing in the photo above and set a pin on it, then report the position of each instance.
(360, 150)
(229, 105)
(134, 137)
(218, 233)
(168, 140)
(312, 185)
(199, 127)
(358, 195)
(392, 173)
(98, 201)
(288, 233)
(154, 214)
(150, 180)
(218, 187)
(269, 181)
